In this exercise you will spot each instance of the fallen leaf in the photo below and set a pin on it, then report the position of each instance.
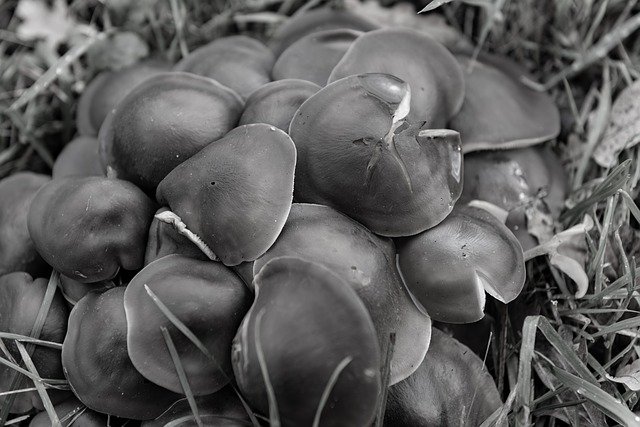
(39, 21)
(628, 375)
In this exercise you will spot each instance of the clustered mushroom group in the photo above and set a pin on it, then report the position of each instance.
(266, 233)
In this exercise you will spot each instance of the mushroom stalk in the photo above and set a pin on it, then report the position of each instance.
(169, 217)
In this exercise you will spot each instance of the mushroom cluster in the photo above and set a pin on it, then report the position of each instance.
(266, 231)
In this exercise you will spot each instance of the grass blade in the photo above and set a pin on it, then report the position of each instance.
(274, 418)
(327, 389)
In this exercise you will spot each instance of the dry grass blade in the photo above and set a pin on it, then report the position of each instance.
(327, 389)
(274, 417)
(29, 340)
(386, 374)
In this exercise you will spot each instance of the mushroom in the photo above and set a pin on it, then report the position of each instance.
(71, 412)
(165, 240)
(431, 71)
(451, 387)
(517, 181)
(88, 228)
(366, 262)
(73, 291)
(311, 21)
(221, 409)
(246, 178)
(309, 340)
(162, 123)
(17, 251)
(20, 299)
(210, 301)
(313, 56)
(97, 365)
(276, 103)
(358, 154)
(79, 157)
(107, 89)
(499, 111)
(238, 62)
(448, 268)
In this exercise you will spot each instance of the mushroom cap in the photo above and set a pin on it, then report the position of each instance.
(325, 18)
(107, 89)
(162, 123)
(80, 157)
(97, 365)
(68, 411)
(87, 228)
(367, 263)
(515, 180)
(431, 71)
(358, 155)
(276, 103)
(73, 291)
(450, 386)
(20, 299)
(499, 111)
(305, 322)
(239, 62)
(17, 250)
(220, 409)
(246, 178)
(165, 240)
(448, 268)
(205, 296)
(313, 56)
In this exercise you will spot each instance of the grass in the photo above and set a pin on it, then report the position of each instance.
(554, 368)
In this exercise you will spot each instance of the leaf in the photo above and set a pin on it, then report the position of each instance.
(623, 130)
(118, 51)
(41, 22)
(628, 375)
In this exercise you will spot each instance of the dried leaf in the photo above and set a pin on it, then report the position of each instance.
(623, 130)
(52, 25)
(628, 375)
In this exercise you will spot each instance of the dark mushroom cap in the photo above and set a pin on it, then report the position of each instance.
(107, 89)
(205, 296)
(162, 123)
(220, 409)
(246, 178)
(326, 18)
(73, 291)
(499, 111)
(276, 103)
(305, 322)
(515, 180)
(449, 267)
(79, 157)
(20, 299)
(313, 57)
(165, 240)
(367, 263)
(97, 365)
(74, 413)
(88, 228)
(17, 251)
(238, 62)
(451, 387)
(434, 76)
(357, 154)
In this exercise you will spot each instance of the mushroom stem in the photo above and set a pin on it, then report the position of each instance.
(169, 217)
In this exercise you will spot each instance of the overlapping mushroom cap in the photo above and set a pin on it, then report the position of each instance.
(365, 262)
(165, 240)
(451, 387)
(357, 154)
(71, 412)
(162, 123)
(313, 57)
(20, 299)
(434, 76)
(499, 111)
(277, 102)
(449, 268)
(236, 193)
(107, 89)
(330, 346)
(238, 62)
(315, 20)
(17, 250)
(73, 291)
(79, 157)
(206, 297)
(97, 365)
(516, 180)
(88, 228)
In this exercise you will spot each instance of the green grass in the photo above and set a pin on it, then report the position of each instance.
(555, 366)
